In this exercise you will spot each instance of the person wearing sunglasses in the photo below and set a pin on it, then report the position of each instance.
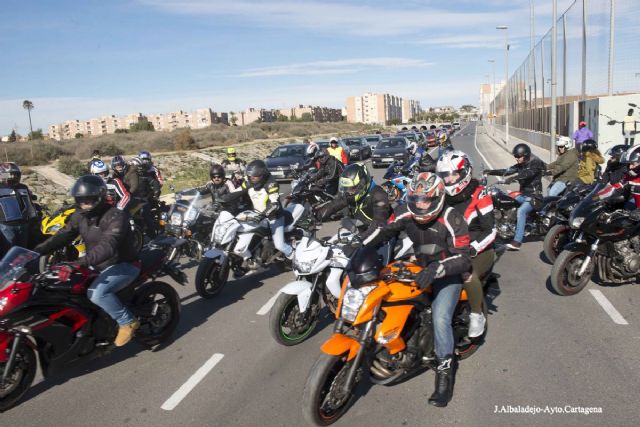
(528, 172)
(219, 185)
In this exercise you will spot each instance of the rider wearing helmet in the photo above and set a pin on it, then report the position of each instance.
(125, 173)
(219, 185)
(590, 158)
(631, 181)
(234, 166)
(469, 198)
(565, 168)
(418, 157)
(444, 142)
(264, 194)
(144, 194)
(367, 202)
(528, 171)
(18, 215)
(151, 174)
(94, 156)
(615, 170)
(117, 193)
(329, 171)
(107, 236)
(440, 238)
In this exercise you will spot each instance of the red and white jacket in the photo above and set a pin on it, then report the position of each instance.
(477, 210)
(629, 182)
(117, 194)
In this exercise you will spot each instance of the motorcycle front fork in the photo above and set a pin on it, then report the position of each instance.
(587, 259)
(17, 339)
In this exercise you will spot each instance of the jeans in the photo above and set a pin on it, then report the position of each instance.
(446, 293)
(523, 211)
(13, 235)
(277, 231)
(557, 188)
(102, 291)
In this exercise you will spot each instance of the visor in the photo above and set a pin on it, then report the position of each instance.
(423, 204)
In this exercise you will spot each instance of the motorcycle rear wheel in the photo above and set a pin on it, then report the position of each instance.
(555, 239)
(564, 273)
(156, 328)
(323, 401)
(20, 378)
(211, 277)
(287, 325)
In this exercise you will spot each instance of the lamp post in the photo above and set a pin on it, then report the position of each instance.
(493, 93)
(506, 79)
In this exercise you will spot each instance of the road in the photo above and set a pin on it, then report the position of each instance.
(224, 369)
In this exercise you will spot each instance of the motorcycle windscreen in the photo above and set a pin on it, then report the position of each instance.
(10, 209)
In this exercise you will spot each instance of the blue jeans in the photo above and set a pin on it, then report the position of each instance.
(13, 235)
(557, 188)
(523, 211)
(102, 291)
(277, 231)
(446, 293)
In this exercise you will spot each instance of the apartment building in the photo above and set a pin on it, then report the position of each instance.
(318, 114)
(410, 109)
(487, 93)
(374, 108)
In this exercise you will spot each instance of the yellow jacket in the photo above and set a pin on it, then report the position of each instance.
(587, 166)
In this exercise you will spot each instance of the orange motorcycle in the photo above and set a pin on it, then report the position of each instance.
(383, 331)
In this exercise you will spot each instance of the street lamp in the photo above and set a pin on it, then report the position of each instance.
(493, 92)
(506, 79)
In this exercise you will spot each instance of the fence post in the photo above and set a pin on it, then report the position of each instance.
(585, 4)
(612, 28)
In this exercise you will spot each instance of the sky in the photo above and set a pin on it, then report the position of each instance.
(82, 59)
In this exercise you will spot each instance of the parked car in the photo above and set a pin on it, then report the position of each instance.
(389, 150)
(448, 128)
(285, 159)
(373, 141)
(456, 125)
(431, 138)
(411, 136)
(358, 148)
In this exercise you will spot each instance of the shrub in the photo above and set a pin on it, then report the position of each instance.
(184, 141)
(71, 166)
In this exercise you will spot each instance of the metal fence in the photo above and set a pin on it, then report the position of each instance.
(583, 40)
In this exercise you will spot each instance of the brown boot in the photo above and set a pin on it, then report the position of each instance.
(125, 333)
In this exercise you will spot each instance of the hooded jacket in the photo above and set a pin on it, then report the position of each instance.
(565, 167)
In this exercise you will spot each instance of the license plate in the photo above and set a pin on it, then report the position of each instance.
(387, 159)
(278, 173)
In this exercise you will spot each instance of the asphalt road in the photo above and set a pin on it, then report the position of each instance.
(223, 368)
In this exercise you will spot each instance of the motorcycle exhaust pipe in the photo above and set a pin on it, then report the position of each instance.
(379, 370)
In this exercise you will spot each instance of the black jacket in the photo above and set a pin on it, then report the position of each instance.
(444, 240)
(106, 233)
(614, 173)
(529, 175)
(328, 172)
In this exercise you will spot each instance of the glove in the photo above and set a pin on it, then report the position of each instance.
(433, 271)
(510, 180)
(473, 252)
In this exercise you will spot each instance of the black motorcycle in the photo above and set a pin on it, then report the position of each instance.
(606, 240)
(304, 192)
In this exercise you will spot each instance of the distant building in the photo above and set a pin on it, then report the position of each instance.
(374, 108)
(410, 110)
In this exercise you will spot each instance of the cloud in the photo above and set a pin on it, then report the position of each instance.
(342, 66)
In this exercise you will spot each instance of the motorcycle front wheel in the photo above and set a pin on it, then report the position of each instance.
(19, 379)
(555, 239)
(564, 273)
(323, 400)
(211, 277)
(157, 306)
(288, 326)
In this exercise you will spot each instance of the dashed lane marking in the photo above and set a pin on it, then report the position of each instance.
(608, 307)
(186, 388)
(265, 308)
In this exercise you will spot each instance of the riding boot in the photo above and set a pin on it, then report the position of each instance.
(444, 382)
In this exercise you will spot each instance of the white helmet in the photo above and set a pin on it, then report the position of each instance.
(311, 149)
(563, 142)
(412, 148)
(98, 167)
(458, 163)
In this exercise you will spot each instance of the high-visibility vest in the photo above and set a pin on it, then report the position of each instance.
(338, 153)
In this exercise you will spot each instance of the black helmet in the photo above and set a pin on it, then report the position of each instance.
(118, 161)
(631, 155)
(322, 156)
(588, 145)
(257, 168)
(216, 170)
(354, 182)
(365, 266)
(521, 150)
(89, 189)
(616, 152)
(10, 173)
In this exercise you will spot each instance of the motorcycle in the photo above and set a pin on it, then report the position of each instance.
(319, 266)
(384, 330)
(396, 183)
(243, 244)
(53, 223)
(49, 313)
(303, 192)
(606, 240)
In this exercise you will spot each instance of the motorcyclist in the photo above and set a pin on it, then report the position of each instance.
(144, 194)
(328, 171)
(470, 199)
(630, 182)
(528, 172)
(18, 215)
(218, 186)
(420, 158)
(444, 142)
(127, 174)
(336, 150)
(264, 194)
(441, 244)
(107, 236)
(565, 168)
(234, 166)
(615, 170)
(117, 193)
(590, 158)
(152, 174)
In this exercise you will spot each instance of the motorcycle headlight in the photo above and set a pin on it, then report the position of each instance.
(352, 301)
(303, 267)
(220, 230)
(54, 228)
(191, 216)
(355, 150)
(164, 216)
(577, 222)
(176, 219)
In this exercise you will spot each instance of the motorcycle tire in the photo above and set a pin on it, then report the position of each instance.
(555, 239)
(211, 278)
(320, 382)
(20, 378)
(564, 273)
(287, 325)
(162, 320)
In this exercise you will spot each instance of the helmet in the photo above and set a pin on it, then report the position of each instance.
(216, 170)
(365, 266)
(231, 154)
(100, 168)
(117, 162)
(257, 168)
(10, 173)
(631, 155)
(616, 152)
(354, 182)
(588, 145)
(312, 149)
(333, 139)
(582, 124)
(563, 142)
(423, 127)
(425, 197)
(89, 189)
(145, 158)
(443, 137)
(137, 163)
(412, 148)
(451, 163)
(322, 155)
(521, 150)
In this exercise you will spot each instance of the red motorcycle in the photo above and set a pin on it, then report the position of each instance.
(50, 313)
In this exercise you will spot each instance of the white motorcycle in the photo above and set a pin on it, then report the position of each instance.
(319, 266)
(244, 245)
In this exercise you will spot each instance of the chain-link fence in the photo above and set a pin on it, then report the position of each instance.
(583, 64)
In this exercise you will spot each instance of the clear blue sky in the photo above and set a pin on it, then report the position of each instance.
(81, 59)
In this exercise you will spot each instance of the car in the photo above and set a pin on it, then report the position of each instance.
(389, 150)
(431, 138)
(324, 143)
(284, 159)
(359, 149)
(448, 128)
(410, 135)
(456, 125)
(373, 140)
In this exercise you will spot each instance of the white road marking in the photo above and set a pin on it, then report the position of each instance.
(608, 307)
(186, 388)
(265, 308)
(475, 144)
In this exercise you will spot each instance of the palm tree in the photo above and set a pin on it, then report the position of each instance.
(28, 105)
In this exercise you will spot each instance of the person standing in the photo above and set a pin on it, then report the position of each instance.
(629, 128)
(582, 134)
(337, 151)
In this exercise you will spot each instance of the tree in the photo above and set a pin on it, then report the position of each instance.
(78, 135)
(142, 125)
(37, 134)
(283, 118)
(184, 141)
(12, 136)
(306, 117)
(121, 131)
(467, 108)
(234, 119)
(395, 122)
(28, 105)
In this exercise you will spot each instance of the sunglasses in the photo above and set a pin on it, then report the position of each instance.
(217, 177)
(85, 200)
(518, 157)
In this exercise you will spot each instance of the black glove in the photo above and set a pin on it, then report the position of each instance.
(472, 252)
(431, 272)
(510, 180)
